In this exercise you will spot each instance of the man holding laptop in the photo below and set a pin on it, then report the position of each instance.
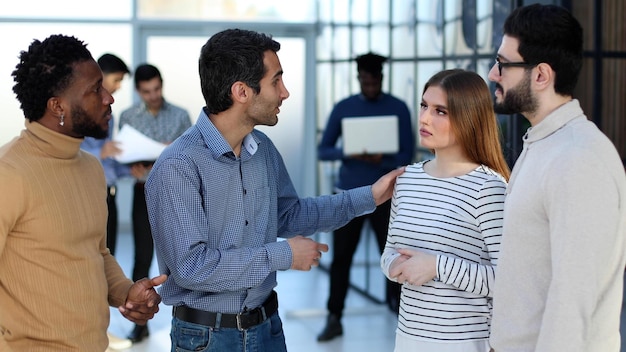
(376, 135)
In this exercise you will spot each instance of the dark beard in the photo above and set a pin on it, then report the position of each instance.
(84, 125)
(517, 100)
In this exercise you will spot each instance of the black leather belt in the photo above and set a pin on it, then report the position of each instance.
(241, 321)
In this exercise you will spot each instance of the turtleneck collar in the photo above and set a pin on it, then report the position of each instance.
(554, 121)
(52, 143)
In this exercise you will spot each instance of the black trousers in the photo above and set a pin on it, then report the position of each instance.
(144, 247)
(112, 219)
(345, 242)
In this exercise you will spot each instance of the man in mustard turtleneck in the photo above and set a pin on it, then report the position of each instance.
(57, 277)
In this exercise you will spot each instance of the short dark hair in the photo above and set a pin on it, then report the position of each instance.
(371, 63)
(46, 70)
(146, 72)
(110, 63)
(549, 34)
(230, 56)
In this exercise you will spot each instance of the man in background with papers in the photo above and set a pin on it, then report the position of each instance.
(163, 123)
(362, 169)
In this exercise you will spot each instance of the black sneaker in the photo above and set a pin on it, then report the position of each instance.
(333, 329)
(139, 333)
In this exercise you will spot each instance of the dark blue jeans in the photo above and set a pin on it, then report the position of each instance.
(265, 337)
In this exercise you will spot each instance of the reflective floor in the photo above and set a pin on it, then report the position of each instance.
(368, 326)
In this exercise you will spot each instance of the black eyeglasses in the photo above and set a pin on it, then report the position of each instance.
(511, 64)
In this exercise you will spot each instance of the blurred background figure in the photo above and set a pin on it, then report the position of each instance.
(359, 170)
(162, 122)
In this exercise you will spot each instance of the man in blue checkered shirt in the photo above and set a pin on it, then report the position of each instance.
(220, 195)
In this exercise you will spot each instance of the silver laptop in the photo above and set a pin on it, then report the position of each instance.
(370, 134)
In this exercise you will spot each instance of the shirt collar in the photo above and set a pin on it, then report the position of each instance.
(164, 106)
(554, 121)
(218, 145)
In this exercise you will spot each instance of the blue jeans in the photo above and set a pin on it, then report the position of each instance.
(265, 337)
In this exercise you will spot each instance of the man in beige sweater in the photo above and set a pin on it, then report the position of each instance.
(560, 274)
(57, 277)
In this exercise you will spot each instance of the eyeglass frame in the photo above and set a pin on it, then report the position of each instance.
(511, 64)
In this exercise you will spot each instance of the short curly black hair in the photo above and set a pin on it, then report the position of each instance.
(45, 70)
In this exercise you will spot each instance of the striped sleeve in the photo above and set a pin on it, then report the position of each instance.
(479, 278)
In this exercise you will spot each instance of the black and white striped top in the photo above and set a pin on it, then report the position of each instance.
(460, 220)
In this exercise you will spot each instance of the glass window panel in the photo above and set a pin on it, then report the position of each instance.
(455, 41)
(360, 41)
(355, 86)
(429, 40)
(341, 40)
(403, 12)
(240, 10)
(483, 66)
(429, 11)
(325, 11)
(403, 41)
(99, 38)
(403, 84)
(343, 79)
(380, 11)
(360, 12)
(324, 97)
(341, 11)
(425, 70)
(380, 39)
(465, 64)
(324, 43)
(484, 28)
(67, 9)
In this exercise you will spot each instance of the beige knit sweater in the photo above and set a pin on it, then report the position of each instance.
(57, 278)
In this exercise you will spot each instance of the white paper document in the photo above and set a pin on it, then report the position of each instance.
(136, 146)
(370, 134)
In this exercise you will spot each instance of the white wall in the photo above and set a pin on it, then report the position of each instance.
(99, 38)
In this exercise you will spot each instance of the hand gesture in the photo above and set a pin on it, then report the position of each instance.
(414, 267)
(382, 189)
(140, 171)
(306, 252)
(142, 301)
(109, 150)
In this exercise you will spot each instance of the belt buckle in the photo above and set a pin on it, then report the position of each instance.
(238, 319)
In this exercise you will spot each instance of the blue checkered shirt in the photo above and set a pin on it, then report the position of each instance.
(216, 218)
(170, 122)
